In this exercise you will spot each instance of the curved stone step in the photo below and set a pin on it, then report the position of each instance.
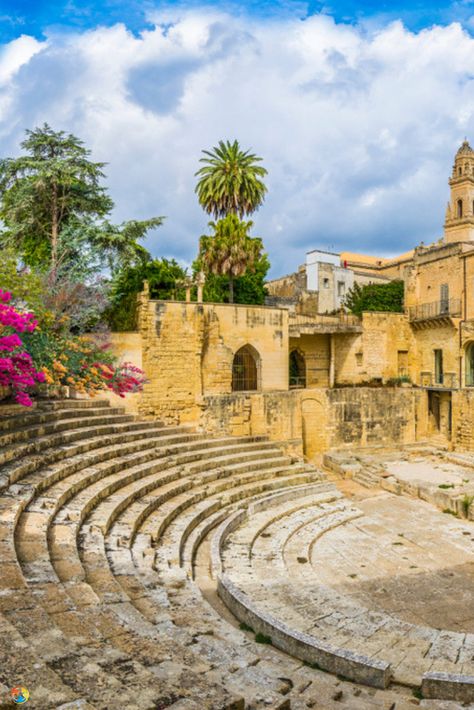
(117, 600)
(276, 582)
(89, 451)
(94, 527)
(42, 415)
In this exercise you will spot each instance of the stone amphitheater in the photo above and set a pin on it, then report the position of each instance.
(153, 566)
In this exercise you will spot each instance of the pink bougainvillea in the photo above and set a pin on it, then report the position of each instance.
(125, 379)
(17, 370)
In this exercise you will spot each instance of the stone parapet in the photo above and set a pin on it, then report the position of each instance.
(352, 666)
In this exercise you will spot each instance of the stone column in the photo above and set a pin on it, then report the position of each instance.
(200, 281)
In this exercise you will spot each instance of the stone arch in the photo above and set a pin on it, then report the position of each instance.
(459, 209)
(469, 363)
(297, 365)
(314, 425)
(246, 370)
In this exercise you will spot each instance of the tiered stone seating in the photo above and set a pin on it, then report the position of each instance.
(268, 580)
(104, 520)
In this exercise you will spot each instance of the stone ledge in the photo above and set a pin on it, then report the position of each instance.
(448, 686)
(289, 495)
(352, 666)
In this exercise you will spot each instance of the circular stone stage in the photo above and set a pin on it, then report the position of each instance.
(403, 557)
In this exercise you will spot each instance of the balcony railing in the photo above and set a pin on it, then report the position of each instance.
(297, 382)
(446, 380)
(450, 307)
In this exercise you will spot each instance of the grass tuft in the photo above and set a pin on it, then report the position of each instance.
(245, 627)
(261, 638)
(466, 503)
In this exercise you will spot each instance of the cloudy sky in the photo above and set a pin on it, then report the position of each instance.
(356, 108)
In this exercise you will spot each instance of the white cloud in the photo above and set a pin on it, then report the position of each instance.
(357, 130)
(15, 54)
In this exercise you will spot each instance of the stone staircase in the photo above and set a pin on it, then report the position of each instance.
(345, 465)
(368, 476)
(104, 522)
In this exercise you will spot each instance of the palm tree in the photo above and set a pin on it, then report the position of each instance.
(229, 182)
(230, 251)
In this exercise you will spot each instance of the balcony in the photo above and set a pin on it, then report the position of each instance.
(435, 313)
(445, 381)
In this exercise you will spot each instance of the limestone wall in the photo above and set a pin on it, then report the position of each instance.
(127, 347)
(312, 421)
(463, 419)
(365, 416)
(373, 354)
(274, 414)
(289, 286)
(445, 338)
(431, 269)
(188, 350)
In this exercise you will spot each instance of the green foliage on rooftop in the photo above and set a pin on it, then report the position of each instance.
(375, 297)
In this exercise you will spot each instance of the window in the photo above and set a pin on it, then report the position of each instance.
(326, 283)
(438, 357)
(459, 208)
(245, 370)
(341, 288)
(359, 359)
(297, 369)
(470, 365)
(444, 298)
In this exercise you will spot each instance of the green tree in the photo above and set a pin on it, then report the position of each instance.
(375, 297)
(230, 181)
(230, 251)
(163, 276)
(249, 288)
(25, 285)
(53, 194)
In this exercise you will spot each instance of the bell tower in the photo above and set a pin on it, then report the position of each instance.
(459, 222)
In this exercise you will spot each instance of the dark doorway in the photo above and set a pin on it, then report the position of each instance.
(433, 408)
(297, 369)
(245, 370)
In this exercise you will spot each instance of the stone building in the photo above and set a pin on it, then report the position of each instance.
(320, 285)
(318, 380)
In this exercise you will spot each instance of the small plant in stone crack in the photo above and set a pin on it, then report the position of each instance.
(245, 627)
(446, 485)
(466, 503)
(261, 638)
(448, 511)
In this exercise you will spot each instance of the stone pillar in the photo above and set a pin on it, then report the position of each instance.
(188, 294)
(200, 281)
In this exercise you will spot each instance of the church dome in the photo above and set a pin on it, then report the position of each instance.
(465, 148)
